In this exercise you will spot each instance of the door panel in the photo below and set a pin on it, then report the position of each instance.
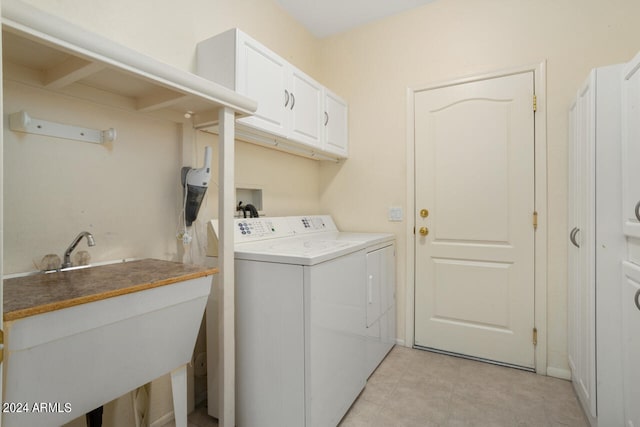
(475, 174)
(462, 181)
(465, 291)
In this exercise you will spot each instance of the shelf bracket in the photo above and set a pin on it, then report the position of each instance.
(22, 122)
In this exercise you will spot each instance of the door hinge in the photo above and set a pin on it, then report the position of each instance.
(535, 336)
(535, 103)
(535, 220)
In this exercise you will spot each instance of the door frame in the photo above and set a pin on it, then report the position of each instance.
(540, 170)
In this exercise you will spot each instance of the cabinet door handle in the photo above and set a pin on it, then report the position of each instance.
(293, 100)
(636, 299)
(286, 98)
(326, 118)
(637, 210)
(370, 290)
(572, 236)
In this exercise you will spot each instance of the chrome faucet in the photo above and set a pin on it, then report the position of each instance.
(67, 254)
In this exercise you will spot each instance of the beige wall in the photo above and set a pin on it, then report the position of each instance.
(127, 193)
(373, 66)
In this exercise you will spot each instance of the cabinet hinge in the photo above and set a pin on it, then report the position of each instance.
(535, 336)
(535, 220)
(535, 103)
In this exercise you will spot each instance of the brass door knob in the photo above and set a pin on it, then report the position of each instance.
(424, 213)
(424, 231)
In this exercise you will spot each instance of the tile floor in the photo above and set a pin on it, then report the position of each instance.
(422, 389)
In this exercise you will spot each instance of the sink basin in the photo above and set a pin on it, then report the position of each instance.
(82, 356)
(75, 267)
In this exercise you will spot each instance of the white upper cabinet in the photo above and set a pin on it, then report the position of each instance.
(292, 107)
(335, 124)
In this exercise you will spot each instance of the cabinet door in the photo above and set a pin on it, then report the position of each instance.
(573, 246)
(335, 124)
(631, 343)
(262, 75)
(631, 148)
(584, 372)
(305, 108)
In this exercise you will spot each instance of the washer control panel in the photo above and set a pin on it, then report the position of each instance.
(254, 229)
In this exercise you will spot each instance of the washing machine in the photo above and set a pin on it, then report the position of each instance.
(315, 314)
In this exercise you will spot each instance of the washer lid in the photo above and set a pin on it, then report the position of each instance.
(310, 249)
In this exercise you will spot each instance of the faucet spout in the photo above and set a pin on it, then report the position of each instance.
(67, 254)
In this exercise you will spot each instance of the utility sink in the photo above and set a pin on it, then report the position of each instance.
(75, 340)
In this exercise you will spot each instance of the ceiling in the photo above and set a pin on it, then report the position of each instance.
(327, 17)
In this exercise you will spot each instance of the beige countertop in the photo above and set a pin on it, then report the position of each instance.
(41, 293)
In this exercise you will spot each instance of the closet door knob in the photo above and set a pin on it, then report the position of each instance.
(637, 210)
(424, 231)
(572, 236)
(636, 299)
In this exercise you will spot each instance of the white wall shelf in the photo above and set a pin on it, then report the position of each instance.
(44, 51)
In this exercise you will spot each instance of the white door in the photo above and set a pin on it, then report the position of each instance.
(474, 151)
(306, 109)
(631, 150)
(631, 227)
(574, 247)
(583, 300)
(335, 124)
(263, 76)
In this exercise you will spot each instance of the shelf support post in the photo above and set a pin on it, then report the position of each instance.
(226, 251)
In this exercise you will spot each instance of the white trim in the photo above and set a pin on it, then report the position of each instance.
(540, 158)
(226, 251)
(563, 374)
(166, 418)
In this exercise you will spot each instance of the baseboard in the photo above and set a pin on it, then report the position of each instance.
(163, 420)
(563, 374)
(400, 342)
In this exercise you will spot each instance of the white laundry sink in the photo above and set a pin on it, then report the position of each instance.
(67, 356)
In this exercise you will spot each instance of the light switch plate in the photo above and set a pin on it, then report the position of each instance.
(395, 213)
